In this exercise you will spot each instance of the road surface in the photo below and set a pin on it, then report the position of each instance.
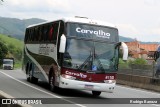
(13, 82)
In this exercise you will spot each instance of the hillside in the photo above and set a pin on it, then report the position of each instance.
(14, 46)
(16, 27)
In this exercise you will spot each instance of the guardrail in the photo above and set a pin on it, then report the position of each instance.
(140, 78)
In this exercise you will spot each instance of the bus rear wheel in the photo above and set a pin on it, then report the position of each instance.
(30, 77)
(96, 93)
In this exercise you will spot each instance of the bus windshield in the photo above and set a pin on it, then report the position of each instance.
(84, 55)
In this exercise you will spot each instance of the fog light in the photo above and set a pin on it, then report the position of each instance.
(68, 77)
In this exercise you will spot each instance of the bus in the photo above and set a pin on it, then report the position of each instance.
(157, 64)
(73, 53)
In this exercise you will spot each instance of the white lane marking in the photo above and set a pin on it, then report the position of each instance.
(41, 90)
(155, 105)
(140, 90)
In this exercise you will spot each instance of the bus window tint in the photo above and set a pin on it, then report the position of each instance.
(36, 34)
(54, 31)
(45, 33)
(26, 36)
(30, 35)
(39, 33)
(50, 33)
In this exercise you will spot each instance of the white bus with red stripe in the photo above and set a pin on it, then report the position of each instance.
(74, 53)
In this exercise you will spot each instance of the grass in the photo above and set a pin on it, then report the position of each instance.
(12, 41)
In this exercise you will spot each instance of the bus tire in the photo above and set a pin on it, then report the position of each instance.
(34, 80)
(29, 75)
(31, 78)
(96, 93)
(51, 81)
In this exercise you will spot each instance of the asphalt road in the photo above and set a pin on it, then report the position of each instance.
(13, 82)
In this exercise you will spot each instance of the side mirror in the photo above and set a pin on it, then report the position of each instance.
(125, 50)
(62, 44)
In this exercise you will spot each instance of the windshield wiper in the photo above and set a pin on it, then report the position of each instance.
(99, 62)
(86, 61)
(95, 56)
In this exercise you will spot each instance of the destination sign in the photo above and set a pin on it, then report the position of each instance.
(92, 32)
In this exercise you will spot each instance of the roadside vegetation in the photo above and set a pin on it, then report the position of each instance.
(11, 48)
(129, 64)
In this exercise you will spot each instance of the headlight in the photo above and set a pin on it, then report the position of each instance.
(110, 81)
(68, 77)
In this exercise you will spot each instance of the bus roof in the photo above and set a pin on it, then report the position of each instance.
(79, 20)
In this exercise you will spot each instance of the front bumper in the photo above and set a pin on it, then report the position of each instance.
(82, 85)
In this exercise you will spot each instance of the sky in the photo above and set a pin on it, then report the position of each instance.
(137, 19)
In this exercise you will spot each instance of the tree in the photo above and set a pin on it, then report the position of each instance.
(3, 50)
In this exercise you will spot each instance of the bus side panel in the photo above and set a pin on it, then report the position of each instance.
(42, 57)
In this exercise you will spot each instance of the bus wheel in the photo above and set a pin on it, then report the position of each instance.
(51, 83)
(32, 79)
(29, 77)
(96, 93)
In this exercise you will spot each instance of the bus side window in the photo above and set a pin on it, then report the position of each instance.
(42, 31)
(36, 34)
(45, 30)
(26, 35)
(47, 33)
(50, 34)
(39, 34)
(55, 26)
(33, 34)
(55, 32)
(30, 35)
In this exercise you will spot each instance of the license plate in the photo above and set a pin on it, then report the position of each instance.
(88, 86)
